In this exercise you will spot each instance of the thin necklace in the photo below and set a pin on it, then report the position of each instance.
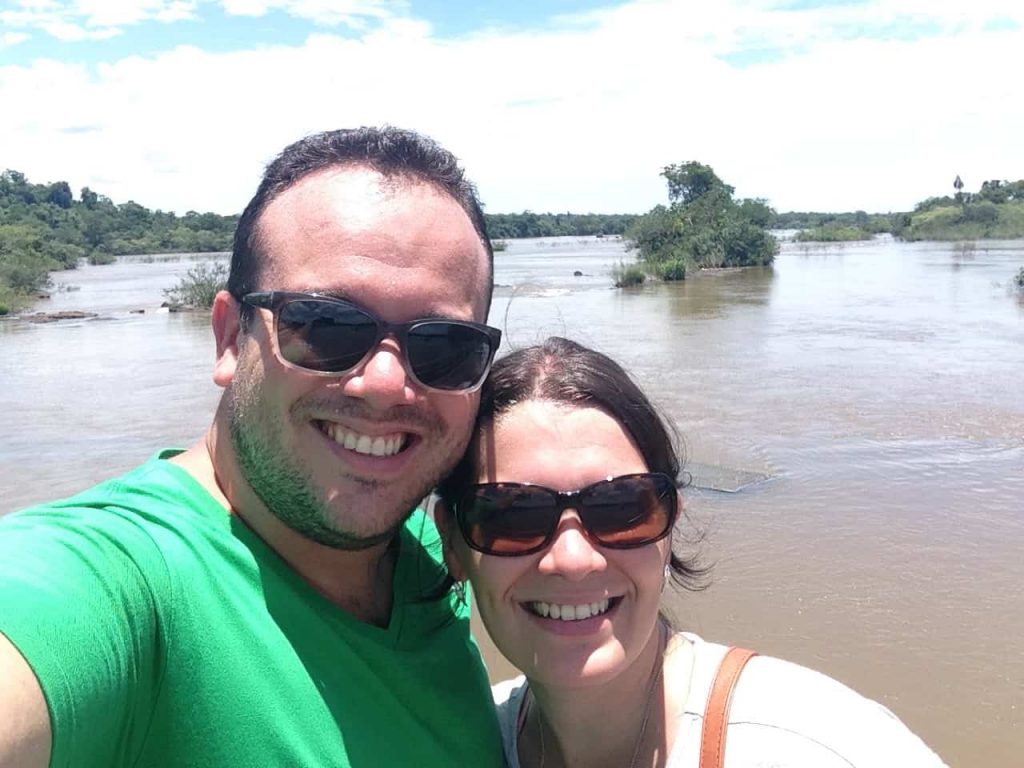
(656, 675)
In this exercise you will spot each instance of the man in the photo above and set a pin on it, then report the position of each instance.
(259, 598)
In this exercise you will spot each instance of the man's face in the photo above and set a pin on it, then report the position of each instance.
(401, 250)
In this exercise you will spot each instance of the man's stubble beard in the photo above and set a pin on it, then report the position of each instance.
(283, 486)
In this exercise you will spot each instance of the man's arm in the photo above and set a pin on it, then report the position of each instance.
(24, 718)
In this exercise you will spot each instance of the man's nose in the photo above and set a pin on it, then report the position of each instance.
(572, 554)
(382, 380)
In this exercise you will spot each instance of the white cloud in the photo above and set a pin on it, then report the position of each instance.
(106, 13)
(9, 39)
(70, 33)
(322, 12)
(178, 10)
(68, 21)
(581, 117)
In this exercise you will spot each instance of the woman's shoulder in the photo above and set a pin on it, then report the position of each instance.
(508, 690)
(803, 716)
(508, 699)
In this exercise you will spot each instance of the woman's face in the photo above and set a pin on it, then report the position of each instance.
(565, 449)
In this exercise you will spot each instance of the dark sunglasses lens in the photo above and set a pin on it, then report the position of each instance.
(629, 511)
(447, 355)
(324, 335)
(508, 519)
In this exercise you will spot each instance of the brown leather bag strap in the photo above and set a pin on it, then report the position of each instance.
(716, 715)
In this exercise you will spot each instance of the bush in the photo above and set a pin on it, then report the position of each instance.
(832, 234)
(985, 212)
(1019, 280)
(625, 276)
(97, 258)
(671, 270)
(26, 274)
(11, 301)
(200, 286)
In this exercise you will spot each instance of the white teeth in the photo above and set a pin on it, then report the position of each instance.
(374, 446)
(569, 612)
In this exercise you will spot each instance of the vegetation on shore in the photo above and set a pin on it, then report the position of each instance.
(44, 227)
(1018, 281)
(995, 211)
(508, 226)
(976, 220)
(833, 233)
(871, 223)
(702, 227)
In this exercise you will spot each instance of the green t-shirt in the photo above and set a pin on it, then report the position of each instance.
(164, 633)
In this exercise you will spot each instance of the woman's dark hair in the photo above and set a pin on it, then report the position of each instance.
(562, 371)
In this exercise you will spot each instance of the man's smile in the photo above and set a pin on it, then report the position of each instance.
(370, 445)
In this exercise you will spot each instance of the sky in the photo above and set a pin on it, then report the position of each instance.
(551, 105)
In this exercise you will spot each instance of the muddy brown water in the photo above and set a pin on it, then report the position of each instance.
(867, 399)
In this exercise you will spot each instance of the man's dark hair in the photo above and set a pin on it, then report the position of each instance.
(564, 372)
(392, 152)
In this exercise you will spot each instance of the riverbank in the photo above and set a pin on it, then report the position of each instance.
(832, 234)
(974, 221)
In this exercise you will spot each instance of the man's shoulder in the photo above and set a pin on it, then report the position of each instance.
(138, 515)
(150, 492)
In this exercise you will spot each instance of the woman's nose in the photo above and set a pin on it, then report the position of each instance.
(572, 554)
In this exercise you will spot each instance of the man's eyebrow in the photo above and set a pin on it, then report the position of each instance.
(330, 293)
(431, 313)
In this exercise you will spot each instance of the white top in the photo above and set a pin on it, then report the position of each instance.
(782, 716)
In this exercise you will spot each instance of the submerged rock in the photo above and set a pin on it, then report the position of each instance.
(64, 314)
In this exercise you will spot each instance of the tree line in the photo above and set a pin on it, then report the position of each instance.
(996, 210)
(45, 227)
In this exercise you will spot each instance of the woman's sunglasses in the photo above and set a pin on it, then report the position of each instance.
(511, 519)
(332, 336)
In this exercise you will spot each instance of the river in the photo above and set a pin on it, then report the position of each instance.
(853, 418)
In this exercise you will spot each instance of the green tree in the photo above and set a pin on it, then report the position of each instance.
(60, 195)
(703, 227)
(89, 198)
(47, 229)
(688, 182)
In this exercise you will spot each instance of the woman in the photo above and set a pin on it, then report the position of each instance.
(561, 516)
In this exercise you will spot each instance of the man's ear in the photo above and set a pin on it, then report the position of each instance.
(446, 527)
(226, 321)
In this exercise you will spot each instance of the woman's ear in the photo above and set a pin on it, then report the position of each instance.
(447, 528)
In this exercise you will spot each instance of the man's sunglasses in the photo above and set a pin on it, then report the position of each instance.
(332, 336)
(511, 519)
